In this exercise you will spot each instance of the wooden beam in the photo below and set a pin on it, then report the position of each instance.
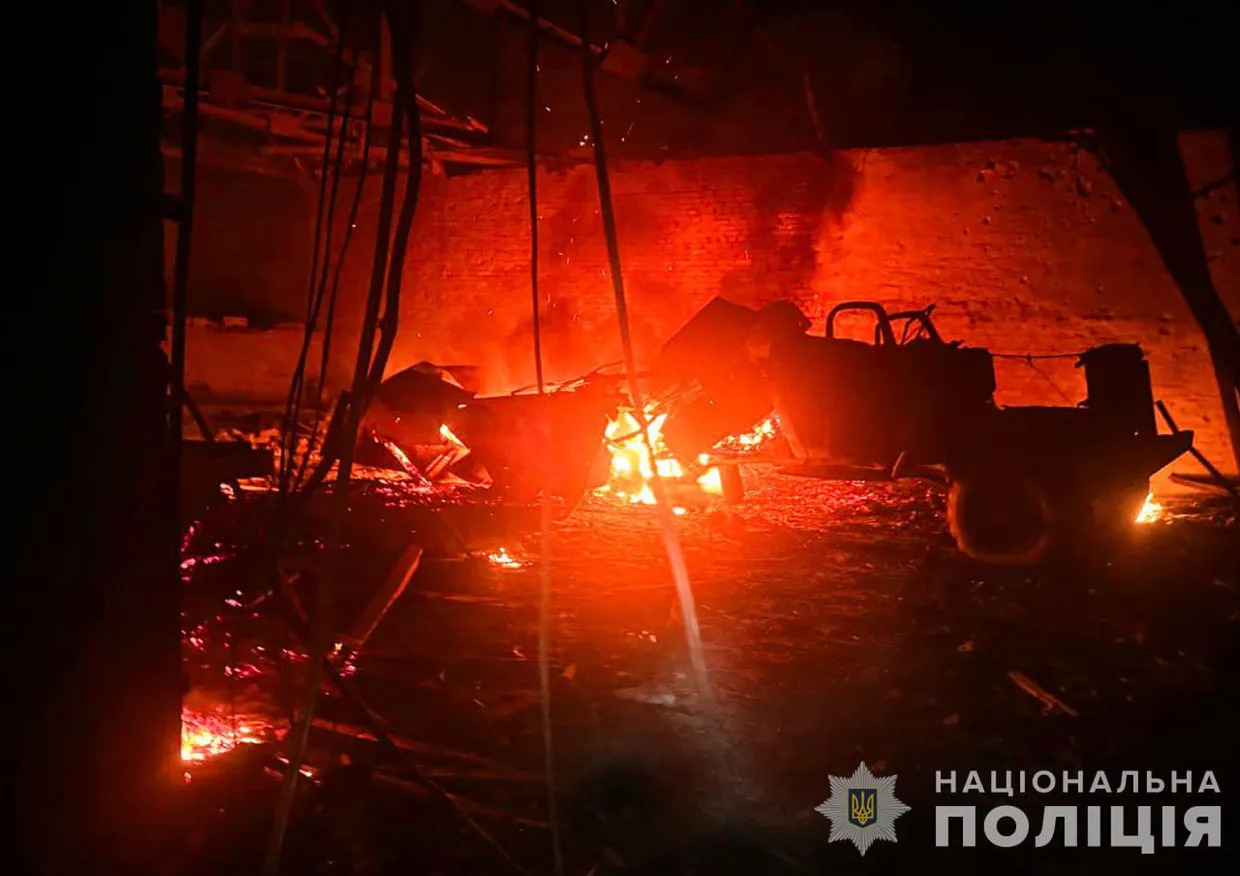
(376, 610)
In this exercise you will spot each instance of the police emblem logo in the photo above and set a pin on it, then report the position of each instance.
(862, 808)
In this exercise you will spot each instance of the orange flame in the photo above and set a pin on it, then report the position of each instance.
(504, 560)
(633, 468)
(754, 439)
(1151, 510)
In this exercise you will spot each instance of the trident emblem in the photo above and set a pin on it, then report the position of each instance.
(861, 805)
(857, 811)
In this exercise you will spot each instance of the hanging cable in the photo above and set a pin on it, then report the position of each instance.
(292, 410)
(544, 542)
(387, 199)
(347, 437)
(346, 422)
(334, 190)
(1025, 357)
(405, 91)
(350, 224)
(347, 417)
(299, 736)
(675, 556)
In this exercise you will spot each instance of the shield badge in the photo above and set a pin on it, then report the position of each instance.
(856, 811)
(862, 807)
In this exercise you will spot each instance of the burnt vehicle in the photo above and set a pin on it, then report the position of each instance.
(429, 422)
(1023, 482)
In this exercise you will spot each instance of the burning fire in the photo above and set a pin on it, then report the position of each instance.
(449, 436)
(205, 735)
(633, 468)
(1151, 510)
(504, 560)
(403, 459)
(754, 439)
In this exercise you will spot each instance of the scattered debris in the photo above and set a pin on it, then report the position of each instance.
(654, 695)
(1049, 701)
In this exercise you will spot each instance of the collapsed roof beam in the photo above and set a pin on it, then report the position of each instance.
(516, 10)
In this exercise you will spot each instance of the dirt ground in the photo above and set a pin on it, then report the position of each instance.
(840, 625)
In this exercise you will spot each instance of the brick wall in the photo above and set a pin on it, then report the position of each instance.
(1024, 246)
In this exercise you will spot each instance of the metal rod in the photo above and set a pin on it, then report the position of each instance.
(1197, 454)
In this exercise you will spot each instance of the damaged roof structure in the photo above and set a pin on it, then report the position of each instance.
(259, 86)
(727, 78)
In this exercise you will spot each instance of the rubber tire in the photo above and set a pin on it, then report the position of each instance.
(1001, 517)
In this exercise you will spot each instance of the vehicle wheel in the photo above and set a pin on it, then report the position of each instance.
(999, 516)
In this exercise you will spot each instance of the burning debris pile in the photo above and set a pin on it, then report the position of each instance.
(736, 385)
(733, 386)
(206, 734)
(691, 483)
(413, 451)
(581, 437)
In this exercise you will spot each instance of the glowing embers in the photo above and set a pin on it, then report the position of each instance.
(1151, 510)
(207, 734)
(449, 436)
(632, 466)
(404, 461)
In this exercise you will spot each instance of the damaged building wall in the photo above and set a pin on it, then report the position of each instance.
(1025, 246)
